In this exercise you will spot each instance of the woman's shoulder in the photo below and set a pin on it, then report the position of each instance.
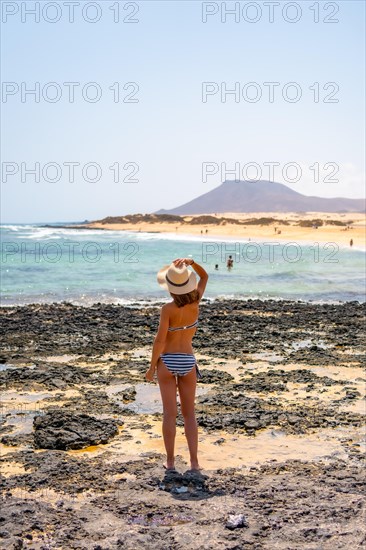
(170, 307)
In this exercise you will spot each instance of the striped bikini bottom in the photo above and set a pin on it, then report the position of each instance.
(180, 364)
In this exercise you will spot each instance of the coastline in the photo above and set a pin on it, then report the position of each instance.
(45, 264)
(281, 416)
(325, 233)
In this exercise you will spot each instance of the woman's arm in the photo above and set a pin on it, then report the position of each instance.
(159, 342)
(202, 273)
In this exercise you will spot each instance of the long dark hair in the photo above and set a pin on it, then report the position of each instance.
(184, 299)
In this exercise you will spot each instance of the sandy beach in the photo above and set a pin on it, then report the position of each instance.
(354, 227)
(281, 414)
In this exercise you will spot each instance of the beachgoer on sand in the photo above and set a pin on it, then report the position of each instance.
(172, 353)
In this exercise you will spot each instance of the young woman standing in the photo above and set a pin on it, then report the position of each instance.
(172, 354)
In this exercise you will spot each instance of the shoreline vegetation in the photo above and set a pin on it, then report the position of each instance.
(280, 410)
(338, 227)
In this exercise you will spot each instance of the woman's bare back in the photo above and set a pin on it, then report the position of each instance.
(180, 341)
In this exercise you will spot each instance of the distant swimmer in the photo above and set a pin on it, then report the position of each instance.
(216, 266)
(230, 262)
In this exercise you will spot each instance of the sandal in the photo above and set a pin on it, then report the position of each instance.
(169, 469)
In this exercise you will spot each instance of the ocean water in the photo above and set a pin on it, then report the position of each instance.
(53, 264)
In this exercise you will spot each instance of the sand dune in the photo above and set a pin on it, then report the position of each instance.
(276, 231)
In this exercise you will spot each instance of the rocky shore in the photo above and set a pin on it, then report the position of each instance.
(281, 414)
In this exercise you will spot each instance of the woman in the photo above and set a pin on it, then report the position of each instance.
(172, 353)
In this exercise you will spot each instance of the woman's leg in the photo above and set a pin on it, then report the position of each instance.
(187, 393)
(168, 391)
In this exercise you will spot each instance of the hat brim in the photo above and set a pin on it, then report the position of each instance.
(191, 283)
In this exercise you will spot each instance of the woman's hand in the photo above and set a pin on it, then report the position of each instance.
(179, 262)
(150, 374)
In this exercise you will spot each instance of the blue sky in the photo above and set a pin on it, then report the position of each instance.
(170, 132)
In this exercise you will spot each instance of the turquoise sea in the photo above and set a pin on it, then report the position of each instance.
(53, 264)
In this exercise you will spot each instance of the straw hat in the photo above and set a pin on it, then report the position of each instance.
(177, 280)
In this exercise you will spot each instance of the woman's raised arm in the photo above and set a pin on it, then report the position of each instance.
(201, 272)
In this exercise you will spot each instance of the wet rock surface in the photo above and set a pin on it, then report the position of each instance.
(236, 413)
(290, 505)
(215, 376)
(50, 376)
(228, 328)
(64, 430)
(280, 366)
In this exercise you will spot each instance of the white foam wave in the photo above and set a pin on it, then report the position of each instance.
(17, 228)
(45, 233)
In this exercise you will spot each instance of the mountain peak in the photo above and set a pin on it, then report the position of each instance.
(262, 196)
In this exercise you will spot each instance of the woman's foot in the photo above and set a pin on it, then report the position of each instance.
(169, 466)
(195, 467)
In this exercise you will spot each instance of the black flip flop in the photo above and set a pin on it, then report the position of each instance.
(171, 470)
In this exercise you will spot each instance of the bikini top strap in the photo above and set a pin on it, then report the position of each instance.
(171, 329)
